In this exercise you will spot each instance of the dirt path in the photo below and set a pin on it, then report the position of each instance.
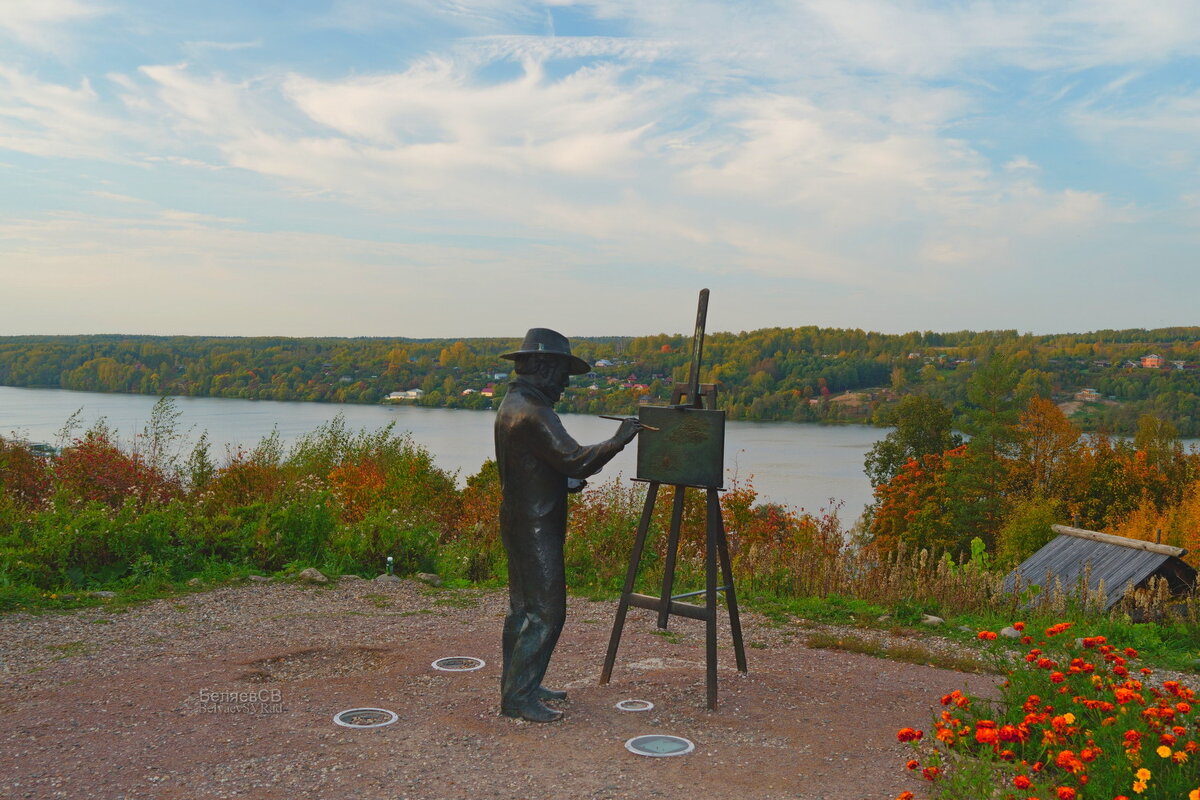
(96, 704)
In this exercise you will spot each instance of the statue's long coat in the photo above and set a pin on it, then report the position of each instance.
(535, 456)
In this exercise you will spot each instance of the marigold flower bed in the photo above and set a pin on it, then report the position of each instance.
(1076, 720)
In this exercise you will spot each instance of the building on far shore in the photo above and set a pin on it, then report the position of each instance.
(407, 394)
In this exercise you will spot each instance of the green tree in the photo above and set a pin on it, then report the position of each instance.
(923, 426)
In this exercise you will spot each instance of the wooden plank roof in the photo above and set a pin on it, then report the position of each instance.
(1113, 559)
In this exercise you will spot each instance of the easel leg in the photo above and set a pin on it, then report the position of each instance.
(710, 574)
(635, 559)
(735, 622)
(672, 551)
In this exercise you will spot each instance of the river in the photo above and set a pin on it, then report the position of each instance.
(803, 466)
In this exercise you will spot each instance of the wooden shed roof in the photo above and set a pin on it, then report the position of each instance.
(1116, 560)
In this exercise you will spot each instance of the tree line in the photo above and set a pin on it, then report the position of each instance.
(806, 374)
(1025, 467)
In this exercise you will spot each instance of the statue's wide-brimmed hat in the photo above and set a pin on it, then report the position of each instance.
(546, 341)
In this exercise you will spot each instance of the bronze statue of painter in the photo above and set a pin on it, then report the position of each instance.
(536, 458)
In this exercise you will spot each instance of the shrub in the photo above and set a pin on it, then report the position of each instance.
(24, 476)
(1072, 721)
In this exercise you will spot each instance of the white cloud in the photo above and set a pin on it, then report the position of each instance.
(53, 120)
(200, 47)
(1021, 163)
(39, 23)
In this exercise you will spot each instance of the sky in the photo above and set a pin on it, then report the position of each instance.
(460, 168)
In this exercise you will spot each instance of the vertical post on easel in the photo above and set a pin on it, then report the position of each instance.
(672, 552)
(697, 350)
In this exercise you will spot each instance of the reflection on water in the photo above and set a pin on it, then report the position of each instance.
(799, 465)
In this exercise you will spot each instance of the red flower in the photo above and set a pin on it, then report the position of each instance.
(909, 734)
(1022, 782)
(930, 773)
(1065, 793)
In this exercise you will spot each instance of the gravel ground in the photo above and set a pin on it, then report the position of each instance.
(100, 703)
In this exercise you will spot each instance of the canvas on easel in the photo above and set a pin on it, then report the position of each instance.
(687, 449)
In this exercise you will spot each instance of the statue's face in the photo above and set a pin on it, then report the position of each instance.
(553, 378)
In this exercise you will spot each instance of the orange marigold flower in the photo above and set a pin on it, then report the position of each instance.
(986, 735)
(1055, 630)
(930, 773)
(1067, 762)
(1130, 652)
(912, 763)
(1022, 782)
(905, 796)
(1179, 757)
(909, 734)
(1010, 733)
(1065, 793)
(987, 636)
(1057, 677)
(1020, 626)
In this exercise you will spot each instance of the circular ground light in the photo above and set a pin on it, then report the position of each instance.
(458, 664)
(658, 745)
(365, 717)
(635, 705)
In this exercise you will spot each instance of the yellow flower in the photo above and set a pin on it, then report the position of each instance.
(1143, 774)
(1139, 786)
(1163, 751)
(1069, 718)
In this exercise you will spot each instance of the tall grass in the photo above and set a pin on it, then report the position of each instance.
(122, 516)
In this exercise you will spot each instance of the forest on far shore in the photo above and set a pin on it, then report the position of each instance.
(806, 374)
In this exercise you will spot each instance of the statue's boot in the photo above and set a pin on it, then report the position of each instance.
(533, 711)
(542, 693)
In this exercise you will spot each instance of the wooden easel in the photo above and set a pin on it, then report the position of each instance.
(716, 549)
